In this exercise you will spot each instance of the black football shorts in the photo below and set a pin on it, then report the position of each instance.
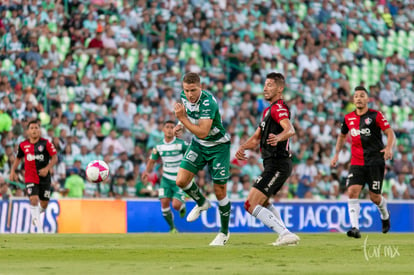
(275, 174)
(371, 175)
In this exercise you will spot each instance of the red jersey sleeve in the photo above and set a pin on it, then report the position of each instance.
(51, 148)
(382, 122)
(279, 112)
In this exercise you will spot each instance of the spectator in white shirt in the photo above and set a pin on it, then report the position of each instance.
(111, 140)
(124, 36)
(89, 141)
(109, 41)
(246, 47)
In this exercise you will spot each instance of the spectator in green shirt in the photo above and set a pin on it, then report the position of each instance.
(74, 184)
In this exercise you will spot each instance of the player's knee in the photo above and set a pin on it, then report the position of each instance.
(375, 198)
(180, 182)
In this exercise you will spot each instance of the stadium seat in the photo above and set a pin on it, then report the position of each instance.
(65, 41)
(145, 54)
(6, 65)
(54, 40)
(43, 43)
(71, 93)
(121, 51)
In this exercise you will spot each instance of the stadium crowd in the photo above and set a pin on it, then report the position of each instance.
(103, 75)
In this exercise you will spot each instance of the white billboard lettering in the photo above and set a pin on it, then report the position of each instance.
(16, 218)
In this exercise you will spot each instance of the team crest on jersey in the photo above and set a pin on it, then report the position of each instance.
(40, 148)
(368, 121)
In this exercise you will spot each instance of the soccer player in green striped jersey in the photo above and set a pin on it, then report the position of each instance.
(199, 113)
(171, 150)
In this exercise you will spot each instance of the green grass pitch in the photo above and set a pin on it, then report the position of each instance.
(187, 253)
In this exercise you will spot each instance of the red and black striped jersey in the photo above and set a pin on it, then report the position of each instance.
(366, 136)
(36, 156)
(271, 124)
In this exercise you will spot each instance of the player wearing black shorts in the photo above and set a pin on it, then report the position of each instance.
(273, 137)
(368, 155)
(39, 157)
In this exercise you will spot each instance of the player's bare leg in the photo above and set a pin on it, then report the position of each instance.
(381, 203)
(353, 210)
(179, 206)
(185, 182)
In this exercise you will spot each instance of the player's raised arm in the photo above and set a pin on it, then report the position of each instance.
(201, 129)
(288, 131)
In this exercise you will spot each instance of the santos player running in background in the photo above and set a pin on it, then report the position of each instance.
(39, 157)
(368, 157)
(171, 150)
(199, 113)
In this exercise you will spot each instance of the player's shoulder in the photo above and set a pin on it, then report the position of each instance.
(24, 142)
(179, 141)
(206, 96)
(375, 112)
(279, 106)
(350, 115)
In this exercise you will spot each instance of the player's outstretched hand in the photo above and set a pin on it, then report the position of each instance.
(240, 154)
(178, 130)
(334, 160)
(144, 176)
(179, 110)
(13, 176)
(387, 153)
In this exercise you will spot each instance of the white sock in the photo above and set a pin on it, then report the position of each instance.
(42, 210)
(382, 207)
(224, 201)
(165, 210)
(353, 211)
(268, 219)
(188, 186)
(273, 209)
(34, 210)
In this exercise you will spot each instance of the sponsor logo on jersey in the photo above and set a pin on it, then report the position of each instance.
(206, 102)
(364, 131)
(31, 157)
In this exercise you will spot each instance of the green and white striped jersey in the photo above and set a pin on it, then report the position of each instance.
(171, 154)
(206, 108)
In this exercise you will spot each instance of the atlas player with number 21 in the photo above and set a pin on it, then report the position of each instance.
(39, 157)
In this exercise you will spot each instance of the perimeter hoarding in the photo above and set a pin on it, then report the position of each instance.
(134, 216)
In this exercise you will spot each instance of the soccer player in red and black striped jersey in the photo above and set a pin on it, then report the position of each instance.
(368, 156)
(39, 157)
(273, 137)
